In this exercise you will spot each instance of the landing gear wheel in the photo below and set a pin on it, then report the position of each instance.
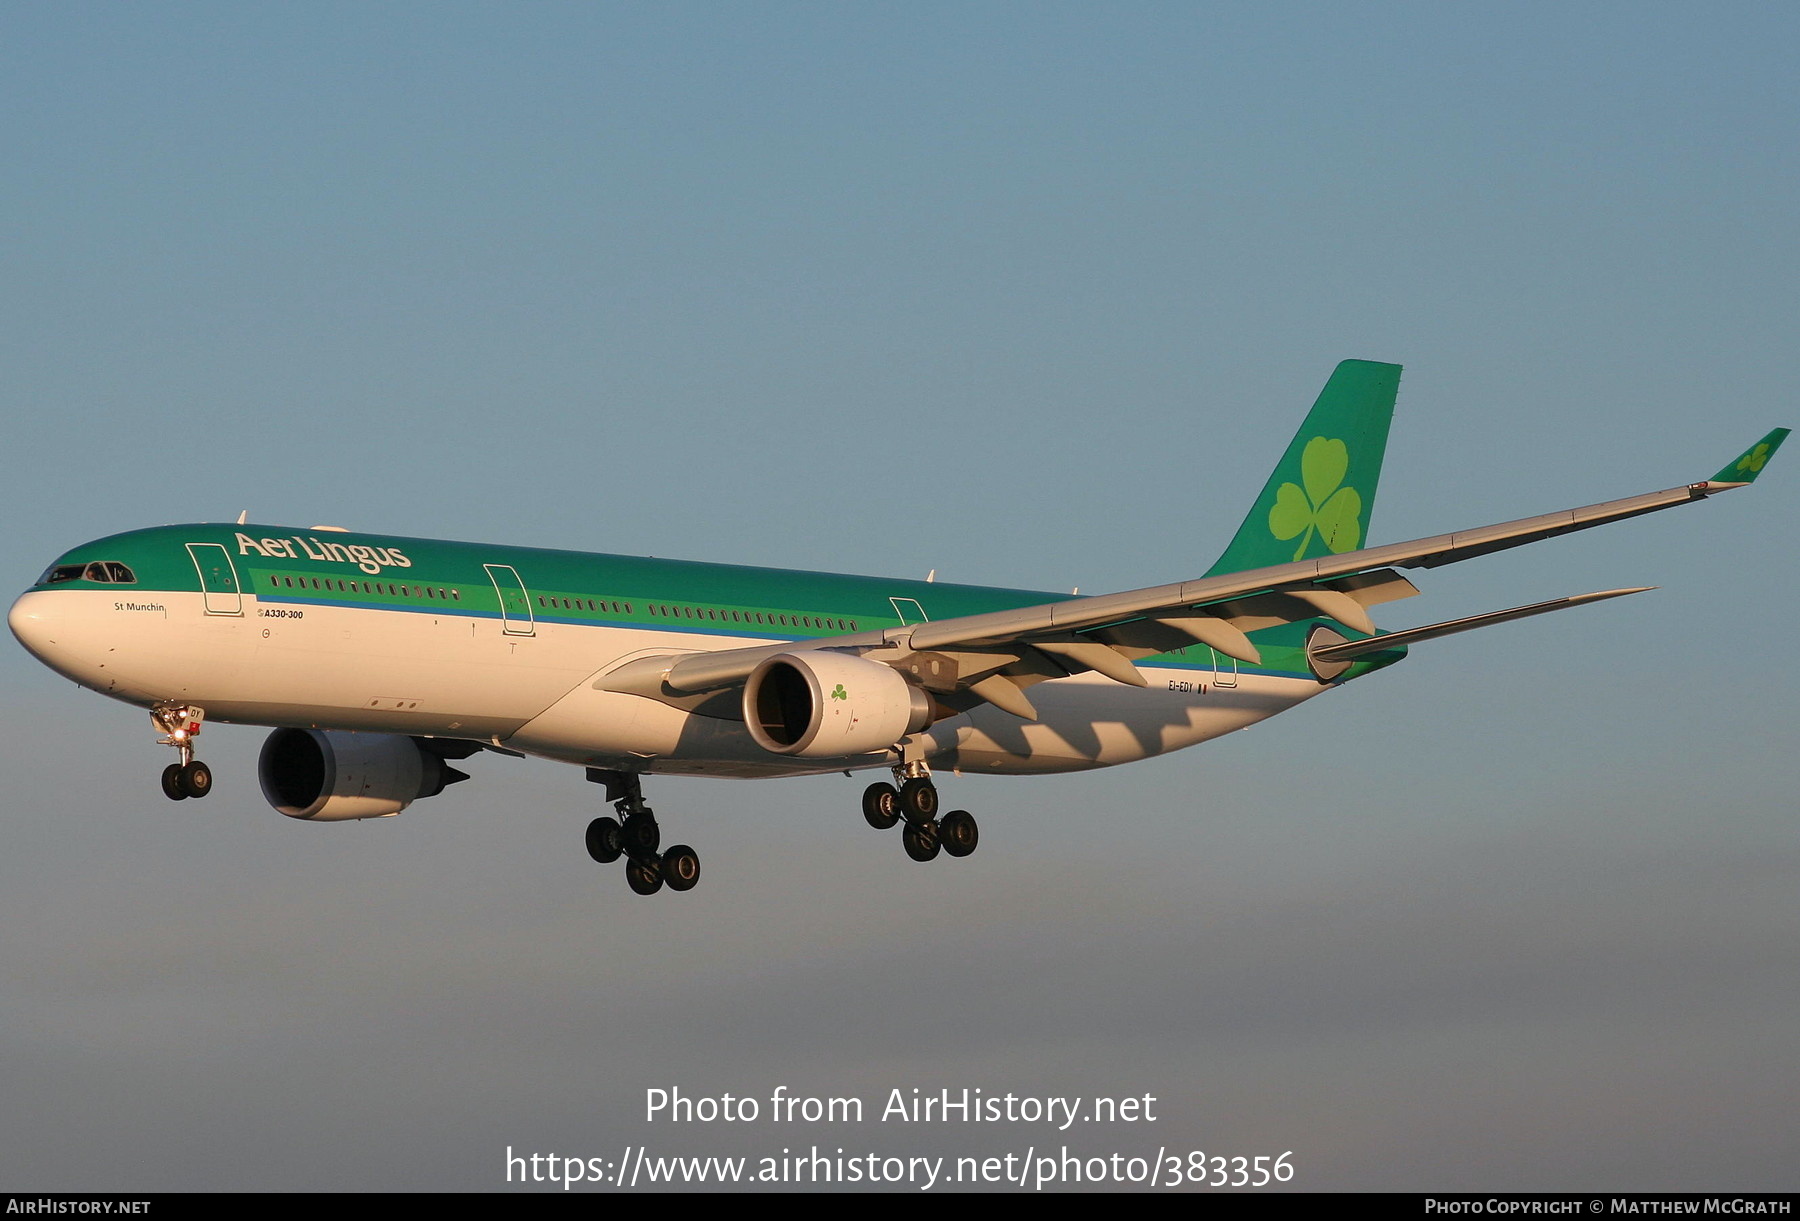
(640, 836)
(195, 779)
(921, 840)
(680, 867)
(171, 783)
(958, 833)
(881, 806)
(918, 800)
(603, 840)
(645, 876)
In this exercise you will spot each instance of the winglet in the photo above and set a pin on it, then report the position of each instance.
(1748, 465)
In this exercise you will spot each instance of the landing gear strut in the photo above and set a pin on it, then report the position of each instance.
(916, 800)
(636, 836)
(180, 725)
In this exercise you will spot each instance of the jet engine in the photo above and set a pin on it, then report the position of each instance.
(332, 776)
(827, 705)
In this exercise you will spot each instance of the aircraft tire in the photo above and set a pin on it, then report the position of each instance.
(922, 842)
(171, 783)
(196, 779)
(881, 806)
(958, 833)
(680, 867)
(603, 840)
(918, 800)
(645, 877)
(640, 835)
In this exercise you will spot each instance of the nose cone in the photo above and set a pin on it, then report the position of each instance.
(90, 638)
(32, 620)
(49, 623)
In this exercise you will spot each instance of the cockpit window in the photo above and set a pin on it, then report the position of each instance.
(106, 572)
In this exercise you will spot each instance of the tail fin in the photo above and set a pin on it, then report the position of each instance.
(1319, 498)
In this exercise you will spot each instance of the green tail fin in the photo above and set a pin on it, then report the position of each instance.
(1319, 498)
(1748, 465)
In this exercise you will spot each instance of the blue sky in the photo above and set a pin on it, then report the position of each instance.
(1028, 294)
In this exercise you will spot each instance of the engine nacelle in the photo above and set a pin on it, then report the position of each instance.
(331, 776)
(827, 705)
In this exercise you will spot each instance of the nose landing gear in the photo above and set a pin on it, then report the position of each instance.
(180, 724)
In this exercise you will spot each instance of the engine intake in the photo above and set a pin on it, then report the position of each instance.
(333, 776)
(828, 705)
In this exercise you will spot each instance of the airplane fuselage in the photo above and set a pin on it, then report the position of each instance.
(512, 646)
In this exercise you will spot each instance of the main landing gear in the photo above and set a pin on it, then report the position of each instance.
(916, 801)
(635, 836)
(180, 724)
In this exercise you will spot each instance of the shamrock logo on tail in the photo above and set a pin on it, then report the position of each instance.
(1752, 462)
(1323, 505)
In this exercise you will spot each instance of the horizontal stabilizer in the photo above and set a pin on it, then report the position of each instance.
(1375, 644)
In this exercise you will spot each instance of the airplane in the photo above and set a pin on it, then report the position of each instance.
(381, 661)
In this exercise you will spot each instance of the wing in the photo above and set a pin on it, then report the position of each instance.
(994, 657)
